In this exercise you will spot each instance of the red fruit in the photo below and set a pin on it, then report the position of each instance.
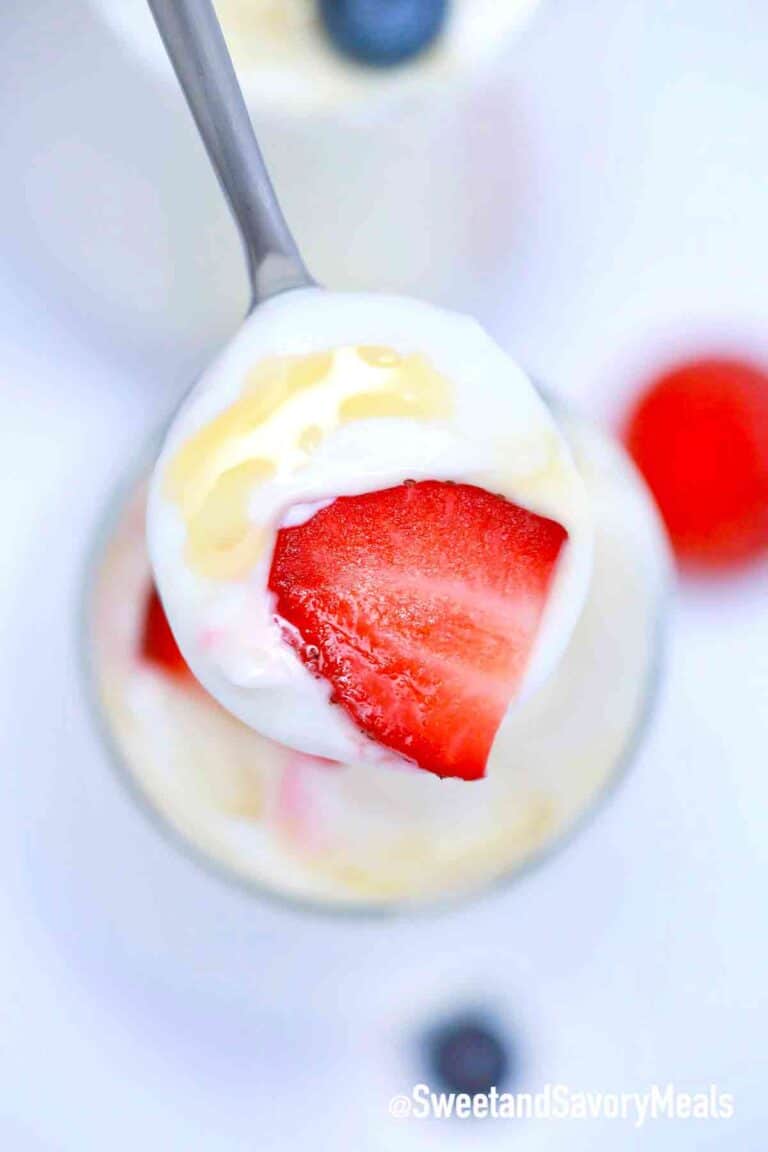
(158, 645)
(699, 435)
(420, 605)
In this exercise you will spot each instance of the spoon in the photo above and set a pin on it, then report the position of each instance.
(369, 394)
(197, 50)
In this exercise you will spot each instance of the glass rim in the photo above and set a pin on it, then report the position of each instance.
(99, 538)
(361, 90)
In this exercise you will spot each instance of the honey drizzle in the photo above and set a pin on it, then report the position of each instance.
(287, 408)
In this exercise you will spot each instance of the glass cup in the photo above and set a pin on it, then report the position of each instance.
(387, 176)
(362, 840)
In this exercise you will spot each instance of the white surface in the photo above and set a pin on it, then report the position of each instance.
(146, 1005)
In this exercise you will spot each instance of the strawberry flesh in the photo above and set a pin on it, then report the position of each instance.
(420, 605)
(158, 644)
(699, 435)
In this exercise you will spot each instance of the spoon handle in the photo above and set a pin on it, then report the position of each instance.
(195, 45)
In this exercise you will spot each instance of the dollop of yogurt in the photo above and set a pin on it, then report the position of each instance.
(322, 395)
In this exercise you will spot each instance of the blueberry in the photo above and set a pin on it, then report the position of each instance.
(383, 32)
(468, 1054)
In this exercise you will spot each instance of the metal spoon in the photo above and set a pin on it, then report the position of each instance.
(195, 45)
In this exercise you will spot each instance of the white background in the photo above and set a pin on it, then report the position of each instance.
(144, 1004)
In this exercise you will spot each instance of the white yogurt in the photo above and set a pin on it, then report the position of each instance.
(482, 423)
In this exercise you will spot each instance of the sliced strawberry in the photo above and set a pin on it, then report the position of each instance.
(158, 645)
(699, 434)
(419, 604)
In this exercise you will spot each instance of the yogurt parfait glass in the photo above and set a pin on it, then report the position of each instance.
(359, 838)
(397, 158)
